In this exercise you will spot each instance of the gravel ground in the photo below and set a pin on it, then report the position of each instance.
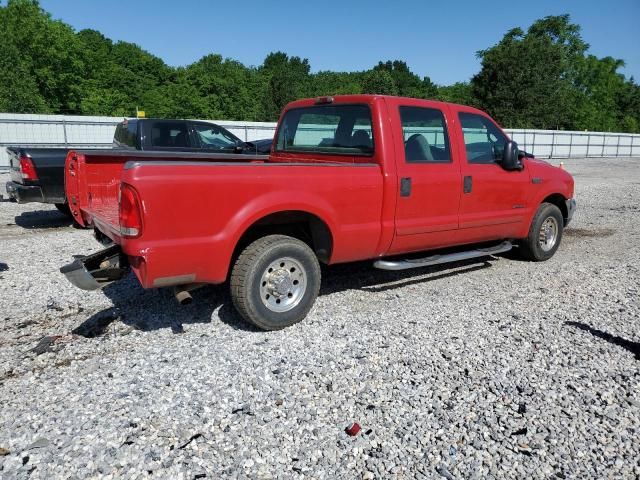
(492, 369)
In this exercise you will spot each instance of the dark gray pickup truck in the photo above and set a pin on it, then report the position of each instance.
(37, 174)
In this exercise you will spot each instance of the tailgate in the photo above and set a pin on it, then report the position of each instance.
(92, 184)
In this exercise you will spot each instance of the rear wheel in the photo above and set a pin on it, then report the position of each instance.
(545, 234)
(275, 282)
(64, 209)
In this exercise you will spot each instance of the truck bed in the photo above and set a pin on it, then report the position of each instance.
(204, 202)
(95, 201)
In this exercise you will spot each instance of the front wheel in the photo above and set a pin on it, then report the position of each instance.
(545, 234)
(275, 282)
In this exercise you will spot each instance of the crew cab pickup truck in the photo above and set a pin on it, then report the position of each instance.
(37, 174)
(349, 178)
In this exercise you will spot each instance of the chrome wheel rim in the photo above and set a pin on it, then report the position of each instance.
(548, 235)
(282, 284)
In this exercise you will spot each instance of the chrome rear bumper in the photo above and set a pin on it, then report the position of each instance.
(98, 269)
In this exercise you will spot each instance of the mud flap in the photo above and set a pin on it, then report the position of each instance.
(98, 269)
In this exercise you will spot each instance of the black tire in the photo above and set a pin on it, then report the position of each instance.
(536, 249)
(252, 268)
(64, 209)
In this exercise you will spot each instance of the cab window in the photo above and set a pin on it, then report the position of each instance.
(425, 135)
(214, 137)
(327, 129)
(483, 140)
(170, 134)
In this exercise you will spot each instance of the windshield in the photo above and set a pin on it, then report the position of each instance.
(217, 138)
(327, 129)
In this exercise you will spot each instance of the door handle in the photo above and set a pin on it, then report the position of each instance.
(405, 187)
(467, 184)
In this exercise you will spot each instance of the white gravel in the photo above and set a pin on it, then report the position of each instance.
(480, 370)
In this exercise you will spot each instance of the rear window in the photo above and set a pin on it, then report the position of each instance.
(126, 133)
(425, 135)
(327, 129)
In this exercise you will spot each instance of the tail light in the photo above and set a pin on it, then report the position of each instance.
(27, 169)
(130, 212)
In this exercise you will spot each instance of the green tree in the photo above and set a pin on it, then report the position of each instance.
(598, 88)
(286, 79)
(407, 83)
(526, 80)
(628, 106)
(228, 89)
(46, 52)
(460, 92)
(379, 82)
(542, 78)
(178, 99)
(334, 83)
(18, 88)
(118, 76)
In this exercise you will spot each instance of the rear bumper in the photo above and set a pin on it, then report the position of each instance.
(571, 208)
(98, 269)
(25, 193)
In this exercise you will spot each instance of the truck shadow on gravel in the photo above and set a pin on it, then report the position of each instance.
(149, 310)
(157, 309)
(42, 219)
(633, 347)
(362, 276)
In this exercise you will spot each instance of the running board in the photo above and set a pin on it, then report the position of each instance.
(438, 259)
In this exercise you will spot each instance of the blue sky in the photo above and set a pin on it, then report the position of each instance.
(438, 39)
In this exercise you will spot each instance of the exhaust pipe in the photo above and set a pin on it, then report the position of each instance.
(183, 297)
(182, 292)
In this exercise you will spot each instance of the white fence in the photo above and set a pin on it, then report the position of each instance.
(567, 144)
(97, 132)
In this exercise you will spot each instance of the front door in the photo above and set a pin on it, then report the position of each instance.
(494, 201)
(429, 180)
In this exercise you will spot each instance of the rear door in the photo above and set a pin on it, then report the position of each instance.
(429, 177)
(494, 201)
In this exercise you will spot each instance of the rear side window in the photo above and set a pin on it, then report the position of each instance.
(170, 135)
(483, 140)
(126, 134)
(327, 129)
(425, 135)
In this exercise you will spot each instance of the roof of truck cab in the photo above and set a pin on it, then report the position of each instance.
(369, 99)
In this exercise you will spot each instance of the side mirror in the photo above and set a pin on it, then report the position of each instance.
(511, 157)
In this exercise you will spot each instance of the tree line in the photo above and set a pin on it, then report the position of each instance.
(543, 77)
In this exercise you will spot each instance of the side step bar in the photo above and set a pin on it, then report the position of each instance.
(445, 258)
(98, 269)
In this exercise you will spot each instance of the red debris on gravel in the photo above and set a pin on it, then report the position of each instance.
(353, 429)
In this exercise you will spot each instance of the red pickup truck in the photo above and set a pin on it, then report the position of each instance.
(349, 178)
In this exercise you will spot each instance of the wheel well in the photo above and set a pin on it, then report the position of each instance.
(560, 202)
(301, 225)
